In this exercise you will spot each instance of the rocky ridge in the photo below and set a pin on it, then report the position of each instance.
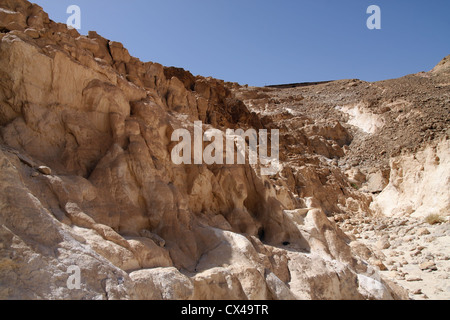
(87, 180)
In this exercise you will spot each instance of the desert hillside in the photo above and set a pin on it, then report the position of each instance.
(358, 207)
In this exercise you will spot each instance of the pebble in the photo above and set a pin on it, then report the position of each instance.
(383, 244)
(390, 262)
(413, 279)
(416, 253)
(428, 265)
(45, 170)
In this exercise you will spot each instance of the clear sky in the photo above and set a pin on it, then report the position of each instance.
(262, 42)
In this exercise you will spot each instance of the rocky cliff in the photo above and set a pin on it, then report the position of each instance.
(87, 179)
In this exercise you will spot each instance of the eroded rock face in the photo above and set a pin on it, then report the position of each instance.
(112, 203)
(429, 169)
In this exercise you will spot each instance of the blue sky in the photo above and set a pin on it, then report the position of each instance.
(262, 42)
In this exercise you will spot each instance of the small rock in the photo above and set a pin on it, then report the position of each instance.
(417, 291)
(429, 265)
(45, 170)
(390, 262)
(35, 174)
(378, 263)
(383, 243)
(394, 253)
(33, 33)
(408, 238)
(381, 227)
(413, 278)
(416, 253)
(423, 232)
(400, 276)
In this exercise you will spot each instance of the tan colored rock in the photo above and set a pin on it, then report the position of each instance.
(355, 176)
(120, 256)
(154, 237)
(144, 286)
(78, 217)
(383, 243)
(162, 284)
(12, 20)
(149, 254)
(373, 287)
(118, 52)
(217, 284)
(278, 289)
(45, 170)
(376, 182)
(109, 234)
(37, 250)
(428, 265)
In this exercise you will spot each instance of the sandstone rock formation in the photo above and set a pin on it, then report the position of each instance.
(87, 180)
